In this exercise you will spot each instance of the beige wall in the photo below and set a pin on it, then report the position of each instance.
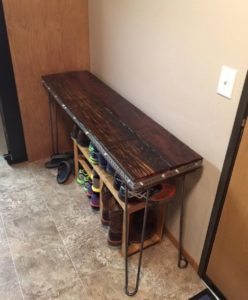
(165, 57)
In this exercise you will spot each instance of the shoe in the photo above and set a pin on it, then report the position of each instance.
(95, 182)
(89, 190)
(94, 157)
(82, 139)
(56, 159)
(74, 131)
(64, 170)
(115, 227)
(95, 200)
(86, 178)
(86, 186)
(136, 224)
(80, 177)
(93, 154)
(108, 204)
(117, 182)
(109, 169)
(132, 196)
(91, 147)
(163, 192)
(160, 192)
(101, 160)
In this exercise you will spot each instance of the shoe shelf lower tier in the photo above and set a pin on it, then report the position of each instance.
(81, 156)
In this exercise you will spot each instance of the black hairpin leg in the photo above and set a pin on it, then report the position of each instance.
(182, 261)
(53, 121)
(127, 291)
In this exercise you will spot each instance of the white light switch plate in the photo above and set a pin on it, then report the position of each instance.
(226, 81)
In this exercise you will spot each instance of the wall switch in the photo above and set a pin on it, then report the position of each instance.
(226, 81)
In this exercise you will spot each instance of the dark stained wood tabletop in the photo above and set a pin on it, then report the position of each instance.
(136, 143)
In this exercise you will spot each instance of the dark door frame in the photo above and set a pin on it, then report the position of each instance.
(225, 177)
(9, 104)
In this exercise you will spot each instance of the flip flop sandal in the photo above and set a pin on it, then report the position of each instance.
(56, 159)
(64, 170)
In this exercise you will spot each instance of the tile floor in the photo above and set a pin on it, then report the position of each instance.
(52, 246)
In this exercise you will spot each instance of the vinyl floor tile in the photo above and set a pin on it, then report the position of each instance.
(56, 247)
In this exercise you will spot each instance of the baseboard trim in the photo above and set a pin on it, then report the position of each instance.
(174, 241)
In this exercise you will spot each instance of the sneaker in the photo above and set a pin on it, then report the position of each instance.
(91, 147)
(115, 226)
(74, 131)
(93, 154)
(80, 177)
(131, 195)
(86, 185)
(86, 178)
(101, 160)
(95, 200)
(94, 157)
(89, 190)
(95, 182)
(82, 139)
(109, 169)
(159, 192)
(117, 182)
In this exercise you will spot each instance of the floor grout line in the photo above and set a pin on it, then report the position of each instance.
(7, 239)
(64, 244)
(60, 232)
(49, 211)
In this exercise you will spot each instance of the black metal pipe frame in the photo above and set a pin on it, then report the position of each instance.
(54, 129)
(182, 261)
(127, 291)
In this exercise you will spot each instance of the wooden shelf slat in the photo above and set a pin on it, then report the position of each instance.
(107, 179)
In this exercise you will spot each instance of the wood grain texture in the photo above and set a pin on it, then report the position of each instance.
(45, 37)
(86, 85)
(136, 143)
(162, 140)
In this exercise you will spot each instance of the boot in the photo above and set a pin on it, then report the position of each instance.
(115, 229)
(108, 204)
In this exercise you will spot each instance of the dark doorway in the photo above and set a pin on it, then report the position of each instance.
(9, 105)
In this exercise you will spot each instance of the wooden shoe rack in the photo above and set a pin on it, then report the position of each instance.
(81, 157)
(139, 149)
